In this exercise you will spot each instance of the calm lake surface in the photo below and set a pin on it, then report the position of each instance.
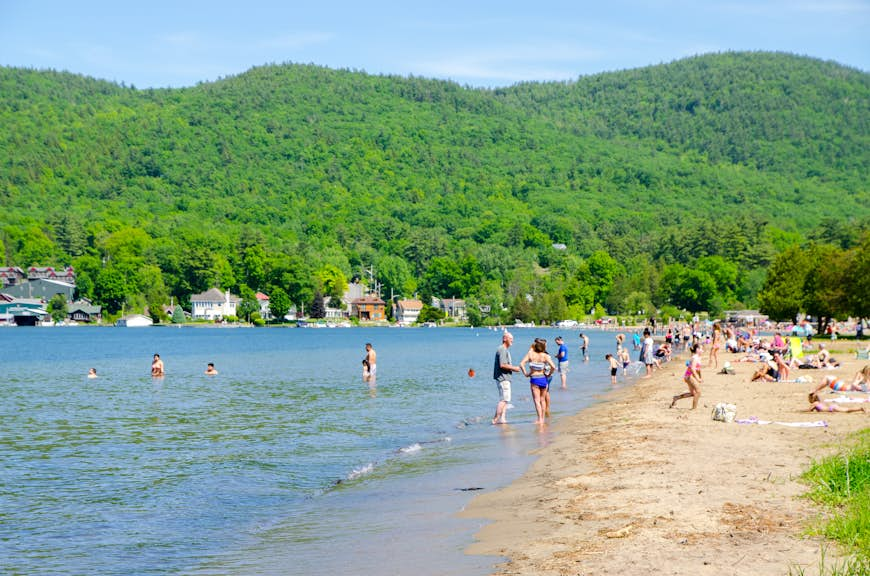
(284, 463)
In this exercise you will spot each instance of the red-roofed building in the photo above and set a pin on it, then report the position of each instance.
(11, 275)
(49, 273)
(265, 312)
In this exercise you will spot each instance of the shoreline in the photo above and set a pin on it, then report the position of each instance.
(630, 484)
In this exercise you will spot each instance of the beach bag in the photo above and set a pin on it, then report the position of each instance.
(723, 412)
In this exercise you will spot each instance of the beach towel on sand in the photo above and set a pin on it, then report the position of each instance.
(795, 347)
(755, 420)
(847, 399)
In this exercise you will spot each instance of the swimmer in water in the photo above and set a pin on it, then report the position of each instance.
(157, 367)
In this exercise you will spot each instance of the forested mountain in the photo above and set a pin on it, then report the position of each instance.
(293, 178)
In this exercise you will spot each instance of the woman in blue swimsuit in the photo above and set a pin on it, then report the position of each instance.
(535, 365)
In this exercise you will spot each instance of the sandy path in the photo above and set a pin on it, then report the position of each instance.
(632, 487)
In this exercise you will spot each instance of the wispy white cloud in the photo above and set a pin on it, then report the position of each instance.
(514, 64)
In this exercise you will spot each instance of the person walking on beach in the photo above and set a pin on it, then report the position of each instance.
(562, 357)
(157, 367)
(370, 366)
(692, 378)
(503, 369)
(535, 365)
(584, 345)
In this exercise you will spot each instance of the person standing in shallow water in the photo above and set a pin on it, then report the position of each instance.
(535, 365)
(562, 357)
(584, 346)
(157, 367)
(370, 364)
(502, 371)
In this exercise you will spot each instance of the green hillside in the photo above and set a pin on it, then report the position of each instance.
(292, 178)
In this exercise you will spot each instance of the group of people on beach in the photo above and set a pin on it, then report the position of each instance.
(860, 383)
(538, 366)
(773, 368)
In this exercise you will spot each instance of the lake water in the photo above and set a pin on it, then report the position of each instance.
(284, 463)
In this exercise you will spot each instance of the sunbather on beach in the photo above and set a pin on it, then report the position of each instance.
(816, 405)
(839, 385)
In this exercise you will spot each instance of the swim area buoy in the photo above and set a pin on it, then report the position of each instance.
(471, 372)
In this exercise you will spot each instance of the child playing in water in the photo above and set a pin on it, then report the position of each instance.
(614, 366)
(625, 359)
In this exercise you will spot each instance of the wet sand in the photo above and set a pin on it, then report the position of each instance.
(633, 487)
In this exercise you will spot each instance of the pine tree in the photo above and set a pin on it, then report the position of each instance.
(318, 309)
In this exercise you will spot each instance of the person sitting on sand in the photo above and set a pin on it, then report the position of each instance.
(838, 385)
(781, 366)
(862, 378)
(766, 372)
(692, 378)
(816, 405)
(824, 358)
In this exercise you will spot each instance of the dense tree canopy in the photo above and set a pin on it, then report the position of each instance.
(675, 184)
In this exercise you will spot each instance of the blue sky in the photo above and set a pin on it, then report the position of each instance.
(158, 43)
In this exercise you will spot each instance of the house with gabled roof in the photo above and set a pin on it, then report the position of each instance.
(408, 311)
(11, 275)
(213, 304)
(453, 308)
(84, 311)
(368, 308)
(263, 301)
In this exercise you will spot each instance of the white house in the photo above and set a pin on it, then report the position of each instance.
(408, 311)
(265, 311)
(134, 321)
(213, 304)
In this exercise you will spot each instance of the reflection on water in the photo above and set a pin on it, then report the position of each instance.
(285, 462)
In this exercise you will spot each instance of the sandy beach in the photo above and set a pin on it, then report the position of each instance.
(630, 486)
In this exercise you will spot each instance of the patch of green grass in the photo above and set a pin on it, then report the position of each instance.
(851, 566)
(841, 483)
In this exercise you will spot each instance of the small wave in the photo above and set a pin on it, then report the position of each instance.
(410, 449)
(361, 471)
